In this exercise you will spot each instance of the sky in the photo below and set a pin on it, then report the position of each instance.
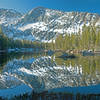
(92, 6)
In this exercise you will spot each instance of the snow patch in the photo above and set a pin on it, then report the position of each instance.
(39, 25)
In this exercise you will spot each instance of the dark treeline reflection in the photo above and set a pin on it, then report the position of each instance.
(89, 64)
(55, 96)
(5, 57)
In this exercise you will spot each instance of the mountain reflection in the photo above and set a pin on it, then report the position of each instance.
(43, 72)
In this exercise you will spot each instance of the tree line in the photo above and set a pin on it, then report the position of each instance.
(88, 38)
(45, 95)
(6, 43)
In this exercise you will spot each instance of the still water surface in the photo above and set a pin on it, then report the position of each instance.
(42, 72)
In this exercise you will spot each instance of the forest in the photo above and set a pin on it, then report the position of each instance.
(87, 39)
(10, 43)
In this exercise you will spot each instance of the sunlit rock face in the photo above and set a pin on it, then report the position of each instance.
(44, 24)
(43, 74)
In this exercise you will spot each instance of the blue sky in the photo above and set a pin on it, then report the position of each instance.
(64, 5)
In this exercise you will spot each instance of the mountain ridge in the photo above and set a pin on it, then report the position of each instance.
(45, 24)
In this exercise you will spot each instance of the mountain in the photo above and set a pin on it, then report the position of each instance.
(42, 74)
(7, 16)
(44, 24)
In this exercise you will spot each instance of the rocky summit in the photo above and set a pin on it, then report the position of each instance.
(44, 24)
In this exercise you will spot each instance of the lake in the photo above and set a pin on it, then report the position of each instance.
(21, 73)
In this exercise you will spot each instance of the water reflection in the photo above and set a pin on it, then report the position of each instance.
(41, 72)
(6, 57)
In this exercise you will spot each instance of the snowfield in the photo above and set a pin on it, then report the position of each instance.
(44, 24)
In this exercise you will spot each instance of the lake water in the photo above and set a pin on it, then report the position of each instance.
(22, 73)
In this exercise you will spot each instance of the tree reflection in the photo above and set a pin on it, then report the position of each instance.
(6, 57)
(90, 64)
